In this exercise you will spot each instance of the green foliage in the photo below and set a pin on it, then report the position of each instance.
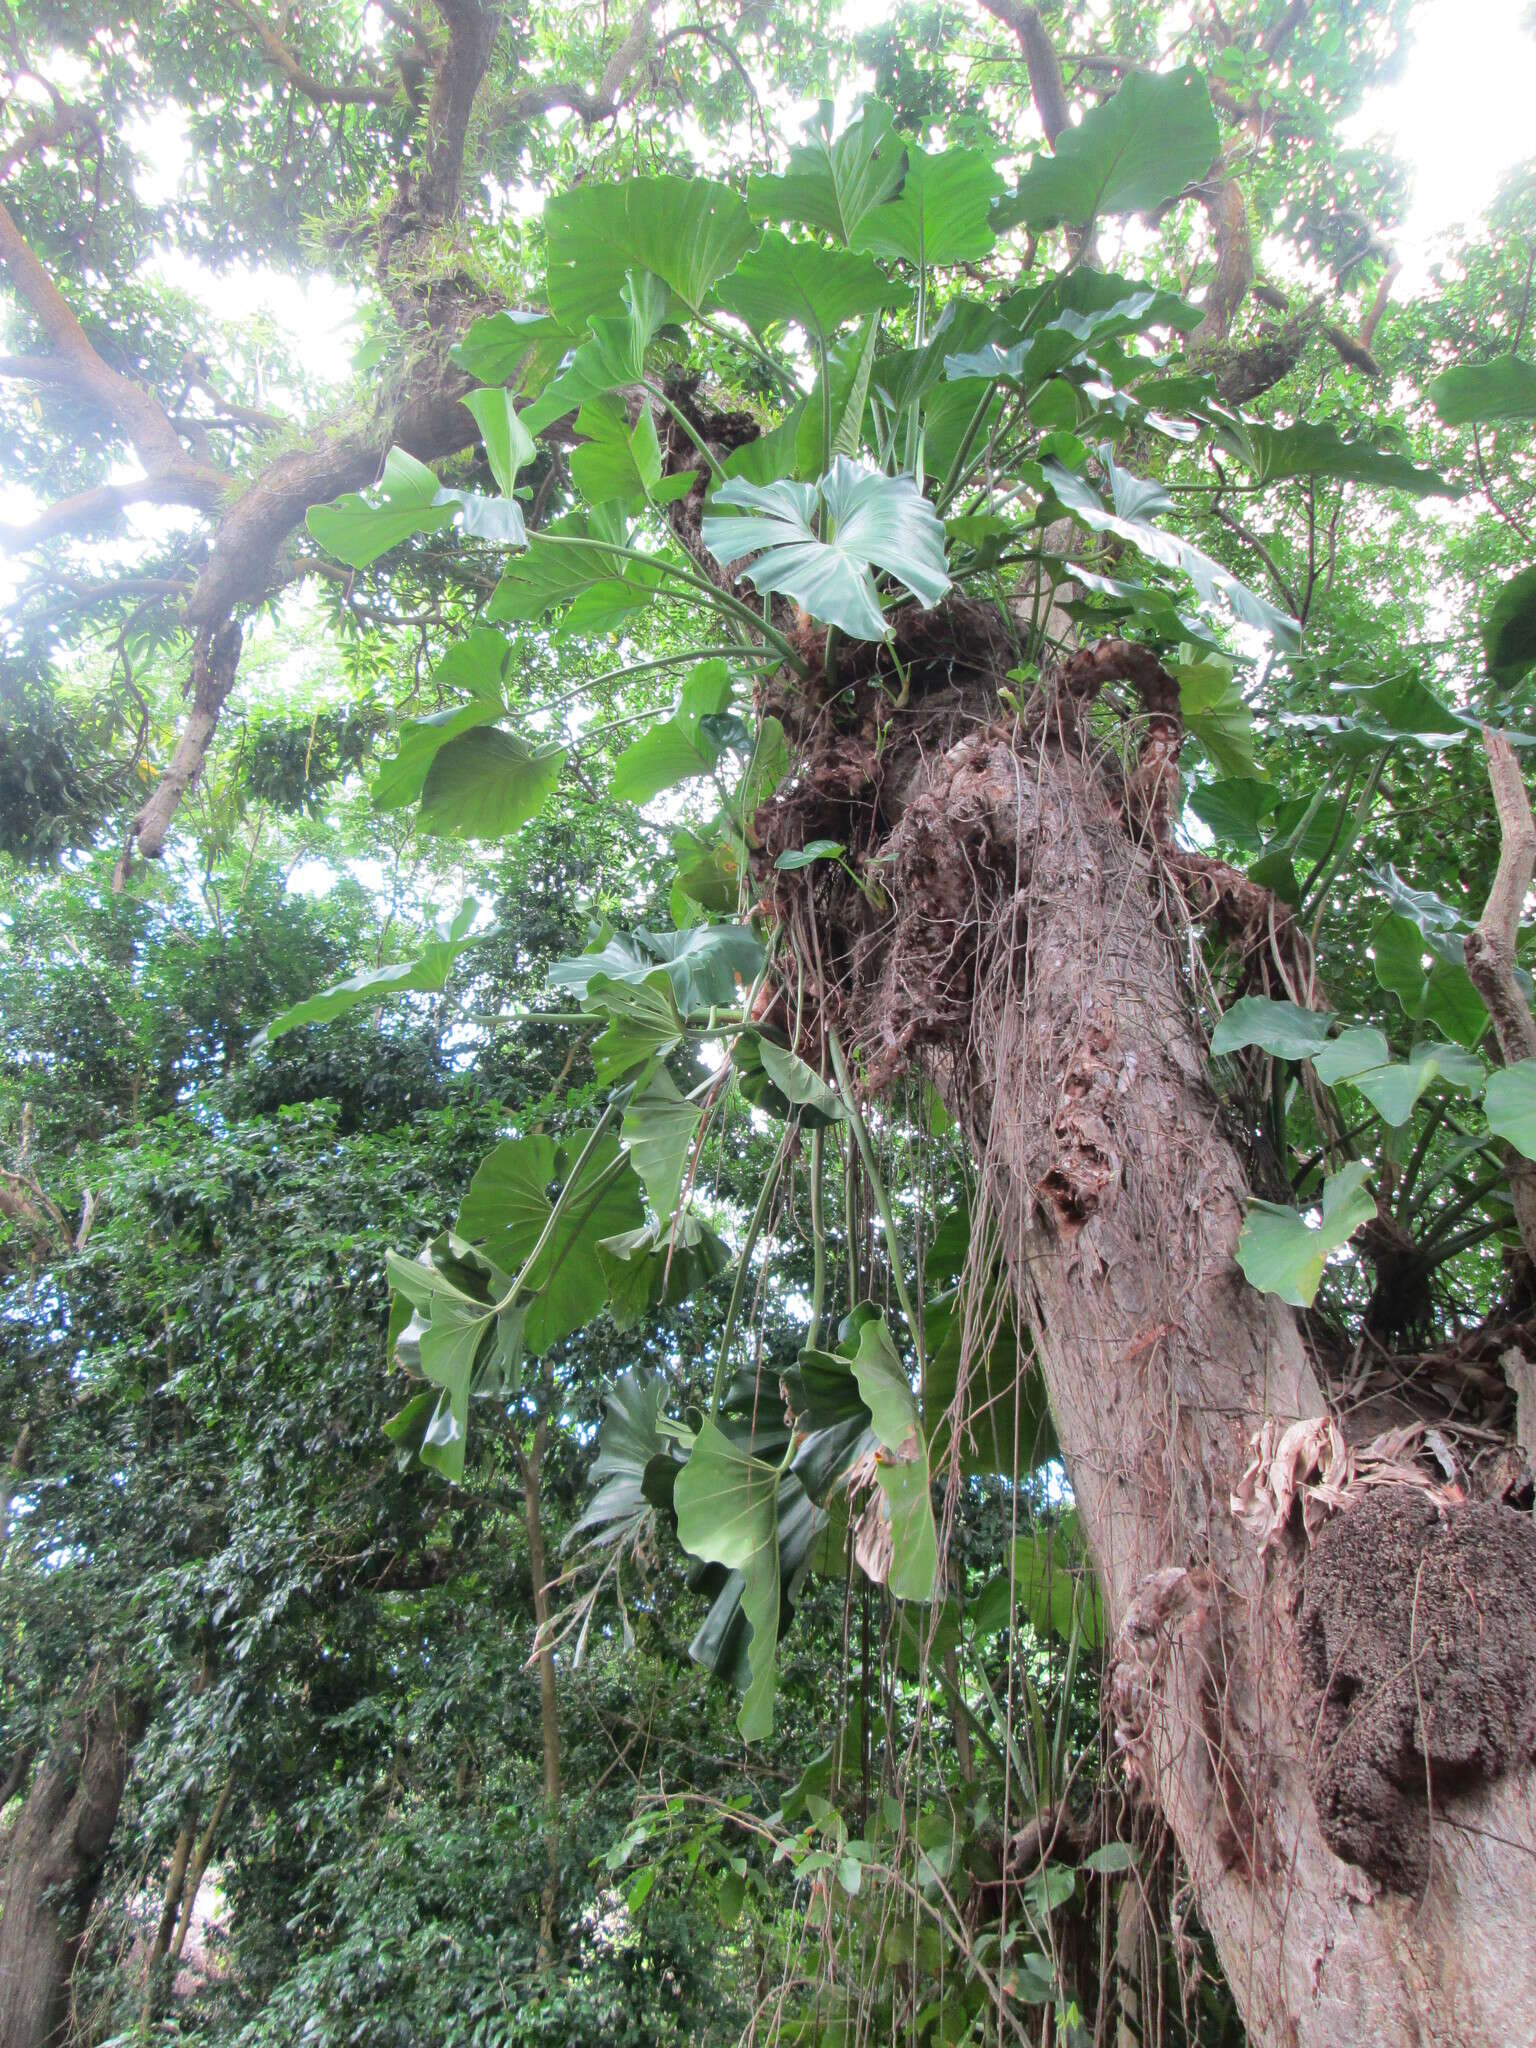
(869, 522)
(1141, 148)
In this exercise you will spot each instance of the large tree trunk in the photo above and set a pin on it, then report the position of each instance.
(1363, 1881)
(57, 1849)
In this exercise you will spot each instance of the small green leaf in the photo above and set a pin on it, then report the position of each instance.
(643, 1023)
(427, 974)
(677, 748)
(659, 1128)
(1109, 1859)
(508, 443)
(1393, 1088)
(1210, 579)
(707, 966)
(903, 1475)
(1282, 1253)
(795, 857)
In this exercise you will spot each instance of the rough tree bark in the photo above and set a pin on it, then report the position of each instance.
(1337, 1729)
(57, 1849)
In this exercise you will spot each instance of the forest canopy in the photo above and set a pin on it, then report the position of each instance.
(768, 1104)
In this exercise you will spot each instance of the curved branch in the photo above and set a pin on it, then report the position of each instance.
(319, 91)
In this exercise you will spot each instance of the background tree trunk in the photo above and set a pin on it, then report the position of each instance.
(549, 1717)
(57, 1850)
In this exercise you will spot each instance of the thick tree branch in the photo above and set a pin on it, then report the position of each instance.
(87, 511)
(140, 414)
(1227, 211)
(472, 26)
(1041, 61)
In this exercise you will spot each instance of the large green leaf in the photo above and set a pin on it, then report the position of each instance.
(1393, 1087)
(903, 1471)
(659, 1266)
(450, 1333)
(1284, 1030)
(643, 1022)
(402, 775)
(1212, 581)
(1510, 1100)
(1443, 995)
(1315, 449)
(1504, 389)
(427, 974)
(359, 527)
(676, 748)
(686, 231)
(1030, 362)
(629, 1438)
(1131, 155)
(617, 461)
(1509, 629)
(487, 783)
(512, 348)
(727, 1505)
(942, 214)
(509, 1203)
(1046, 1581)
(659, 1127)
(612, 358)
(832, 183)
(870, 521)
(704, 965)
(1004, 1423)
(574, 556)
(782, 283)
(1214, 713)
(1282, 1253)
(846, 378)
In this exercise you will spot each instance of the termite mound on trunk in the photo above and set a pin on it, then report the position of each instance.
(1418, 1635)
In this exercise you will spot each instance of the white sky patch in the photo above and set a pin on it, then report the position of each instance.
(1459, 117)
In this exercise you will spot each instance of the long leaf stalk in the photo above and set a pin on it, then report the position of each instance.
(711, 595)
(743, 1265)
(882, 1199)
(818, 1241)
